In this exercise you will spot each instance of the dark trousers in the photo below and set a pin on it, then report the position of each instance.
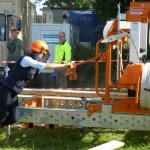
(8, 107)
(10, 67)
(61, 78)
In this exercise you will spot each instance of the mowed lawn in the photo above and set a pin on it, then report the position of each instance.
(69, 138)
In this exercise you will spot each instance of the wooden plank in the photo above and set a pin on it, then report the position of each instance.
(20, 96)
(53, 92)
(70, 93)
(109, 146)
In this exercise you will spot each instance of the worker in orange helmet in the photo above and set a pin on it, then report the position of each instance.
(25, 69)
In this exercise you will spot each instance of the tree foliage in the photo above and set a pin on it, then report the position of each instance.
(68, 3)
(104, 9)
(107, 10)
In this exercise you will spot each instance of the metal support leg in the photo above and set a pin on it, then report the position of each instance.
(83, 102)
(8, 131)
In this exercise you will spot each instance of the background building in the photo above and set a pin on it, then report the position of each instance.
(19, 14)
(84, 19)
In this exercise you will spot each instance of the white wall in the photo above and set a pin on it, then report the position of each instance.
(49, 33)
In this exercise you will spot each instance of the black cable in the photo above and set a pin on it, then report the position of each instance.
(131, 39)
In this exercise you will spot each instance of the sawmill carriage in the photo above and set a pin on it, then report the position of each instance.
(122, 105)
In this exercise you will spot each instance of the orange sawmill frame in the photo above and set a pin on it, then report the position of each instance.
(128, 80)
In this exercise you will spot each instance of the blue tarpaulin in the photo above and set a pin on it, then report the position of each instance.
(87, 22)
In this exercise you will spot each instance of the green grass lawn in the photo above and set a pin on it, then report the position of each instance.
(67, 138)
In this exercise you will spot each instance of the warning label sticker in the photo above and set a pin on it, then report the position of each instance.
(136, 10)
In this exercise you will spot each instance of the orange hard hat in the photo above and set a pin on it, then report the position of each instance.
(39, 46)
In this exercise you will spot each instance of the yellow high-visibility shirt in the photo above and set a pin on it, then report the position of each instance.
(62, 51)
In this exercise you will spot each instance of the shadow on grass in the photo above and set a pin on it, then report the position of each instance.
(41, 138)
(138, 139)
(68, 138)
